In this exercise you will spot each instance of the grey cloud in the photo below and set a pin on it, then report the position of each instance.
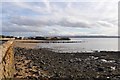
(28, 24)
(67, 23)
(105, 24)
(10, 27)
(41, 22)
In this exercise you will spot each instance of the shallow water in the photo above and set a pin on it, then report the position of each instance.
(87, 45)
(1, 42)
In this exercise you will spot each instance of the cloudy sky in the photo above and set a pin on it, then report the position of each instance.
(51, 18)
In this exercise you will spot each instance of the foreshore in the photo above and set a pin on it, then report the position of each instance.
(43, 64)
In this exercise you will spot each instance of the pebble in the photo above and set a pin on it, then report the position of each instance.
(46, 64)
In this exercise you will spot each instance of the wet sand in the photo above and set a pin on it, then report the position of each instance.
(26, 45)
(43, 64)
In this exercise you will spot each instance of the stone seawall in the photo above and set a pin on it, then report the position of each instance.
(7, 60)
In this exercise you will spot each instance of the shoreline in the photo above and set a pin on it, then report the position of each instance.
(46, 64)
(33, 45)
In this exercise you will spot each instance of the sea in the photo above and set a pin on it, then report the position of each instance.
(1, 42)
(84, 45)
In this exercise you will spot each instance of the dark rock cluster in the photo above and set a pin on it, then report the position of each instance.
(43, 64)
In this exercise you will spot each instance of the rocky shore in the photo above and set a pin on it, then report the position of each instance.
(43, 64)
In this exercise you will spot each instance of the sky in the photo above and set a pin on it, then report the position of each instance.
(59, 18)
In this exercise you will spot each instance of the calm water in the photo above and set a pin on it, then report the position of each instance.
(86, 45)
(1, 42)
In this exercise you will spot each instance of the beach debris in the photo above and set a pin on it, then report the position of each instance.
(107, 61)
(75, 60)
(113, 67)
(93, 57)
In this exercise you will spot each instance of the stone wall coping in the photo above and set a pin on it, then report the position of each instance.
(3, 49)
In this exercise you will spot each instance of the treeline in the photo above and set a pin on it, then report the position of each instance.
(36, 38)
(3, 36)
(49, 38)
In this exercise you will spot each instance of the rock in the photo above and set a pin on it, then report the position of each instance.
(15, 75)
(71, 61)
(18, 69)
(60, 61)
(93, 57)
(78, 60)
(100, 69)
(107, 61)
(30, 65)
(113, 68)
(34, 72)
(31, 78)
(75, 60)
(45, 68)
(42, 62)
(56, 75)
(48, 64)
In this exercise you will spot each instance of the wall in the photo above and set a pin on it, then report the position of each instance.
(7, 60)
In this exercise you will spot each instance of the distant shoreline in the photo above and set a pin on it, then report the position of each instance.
(54, 37)
(94, 36)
